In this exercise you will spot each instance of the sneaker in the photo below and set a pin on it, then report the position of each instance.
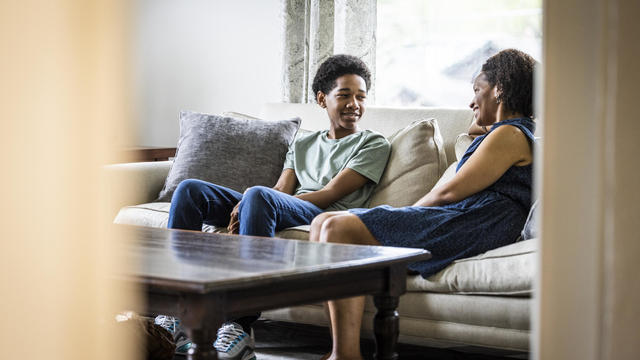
(233, 343)
(183, 343)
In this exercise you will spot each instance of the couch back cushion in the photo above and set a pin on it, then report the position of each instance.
(416, 162)
(384, 120)
(236, 153)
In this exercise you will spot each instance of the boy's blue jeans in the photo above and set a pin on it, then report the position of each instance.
(262, 211)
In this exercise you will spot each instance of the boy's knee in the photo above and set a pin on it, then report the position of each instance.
(256, 193)
(185, 184)
(258, 199)
(186, 188)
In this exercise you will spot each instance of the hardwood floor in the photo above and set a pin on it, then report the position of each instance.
(284, 341)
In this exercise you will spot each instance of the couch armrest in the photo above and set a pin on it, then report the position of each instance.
(142, 181)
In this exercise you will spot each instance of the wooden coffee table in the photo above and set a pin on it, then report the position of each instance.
(205, 279)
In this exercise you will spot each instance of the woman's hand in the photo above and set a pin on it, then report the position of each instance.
(476, 130)
(234, 224)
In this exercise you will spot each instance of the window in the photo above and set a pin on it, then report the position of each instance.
(428, 50)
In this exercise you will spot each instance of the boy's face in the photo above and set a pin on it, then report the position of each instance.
(345, 103)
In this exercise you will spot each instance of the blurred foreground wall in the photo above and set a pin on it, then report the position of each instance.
(63, 95)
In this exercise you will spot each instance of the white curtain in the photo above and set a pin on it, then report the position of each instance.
(317, 29)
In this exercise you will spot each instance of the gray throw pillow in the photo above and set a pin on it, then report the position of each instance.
(530, 229)
(236, 153)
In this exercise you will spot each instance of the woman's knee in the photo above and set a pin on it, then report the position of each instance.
(316, 225)
(318, 220)
(339, 229)
(346, 229)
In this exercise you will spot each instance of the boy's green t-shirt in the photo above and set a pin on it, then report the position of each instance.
(316, 160)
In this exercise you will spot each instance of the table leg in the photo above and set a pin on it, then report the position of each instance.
(202, 345)
(202, 316)
(386, 327)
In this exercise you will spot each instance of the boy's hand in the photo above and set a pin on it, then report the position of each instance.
(234, 224)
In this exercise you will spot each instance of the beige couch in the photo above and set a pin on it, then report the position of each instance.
(482, 301)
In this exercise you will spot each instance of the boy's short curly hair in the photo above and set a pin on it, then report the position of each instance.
(336, 66)
(511, 71)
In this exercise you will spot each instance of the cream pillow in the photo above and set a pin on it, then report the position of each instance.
(448, 174)
(416, 162)
(462, 144)
(238, 115)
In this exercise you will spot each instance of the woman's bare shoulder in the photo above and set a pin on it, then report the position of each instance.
(512, 138)
(508, 134)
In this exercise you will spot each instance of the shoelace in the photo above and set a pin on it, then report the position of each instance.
(228, 336)
(167, 322)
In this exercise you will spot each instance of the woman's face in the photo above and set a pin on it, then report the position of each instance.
(484, 103)
(345, 103)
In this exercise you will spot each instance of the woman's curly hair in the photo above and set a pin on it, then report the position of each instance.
(511, 71)
(336, 66)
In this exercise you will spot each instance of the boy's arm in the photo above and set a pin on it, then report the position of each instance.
(343, 184)
(287, 182)
(367, 165)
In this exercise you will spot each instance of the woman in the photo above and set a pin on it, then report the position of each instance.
(334, 169)
(483, 207)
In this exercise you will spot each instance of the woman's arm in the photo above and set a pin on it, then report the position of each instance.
(343, 184)
(505, 147)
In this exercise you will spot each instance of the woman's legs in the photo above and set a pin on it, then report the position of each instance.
(345, 314)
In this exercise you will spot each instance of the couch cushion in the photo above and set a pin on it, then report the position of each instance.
(157, 215)
(415, 164)
(150, 214)
(236, 153)
(448, 174)
(508, 270)
(530, 229)
(238, 115)
(297, 233)
(462, 144)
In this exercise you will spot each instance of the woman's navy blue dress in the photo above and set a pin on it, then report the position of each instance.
(489, 219)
